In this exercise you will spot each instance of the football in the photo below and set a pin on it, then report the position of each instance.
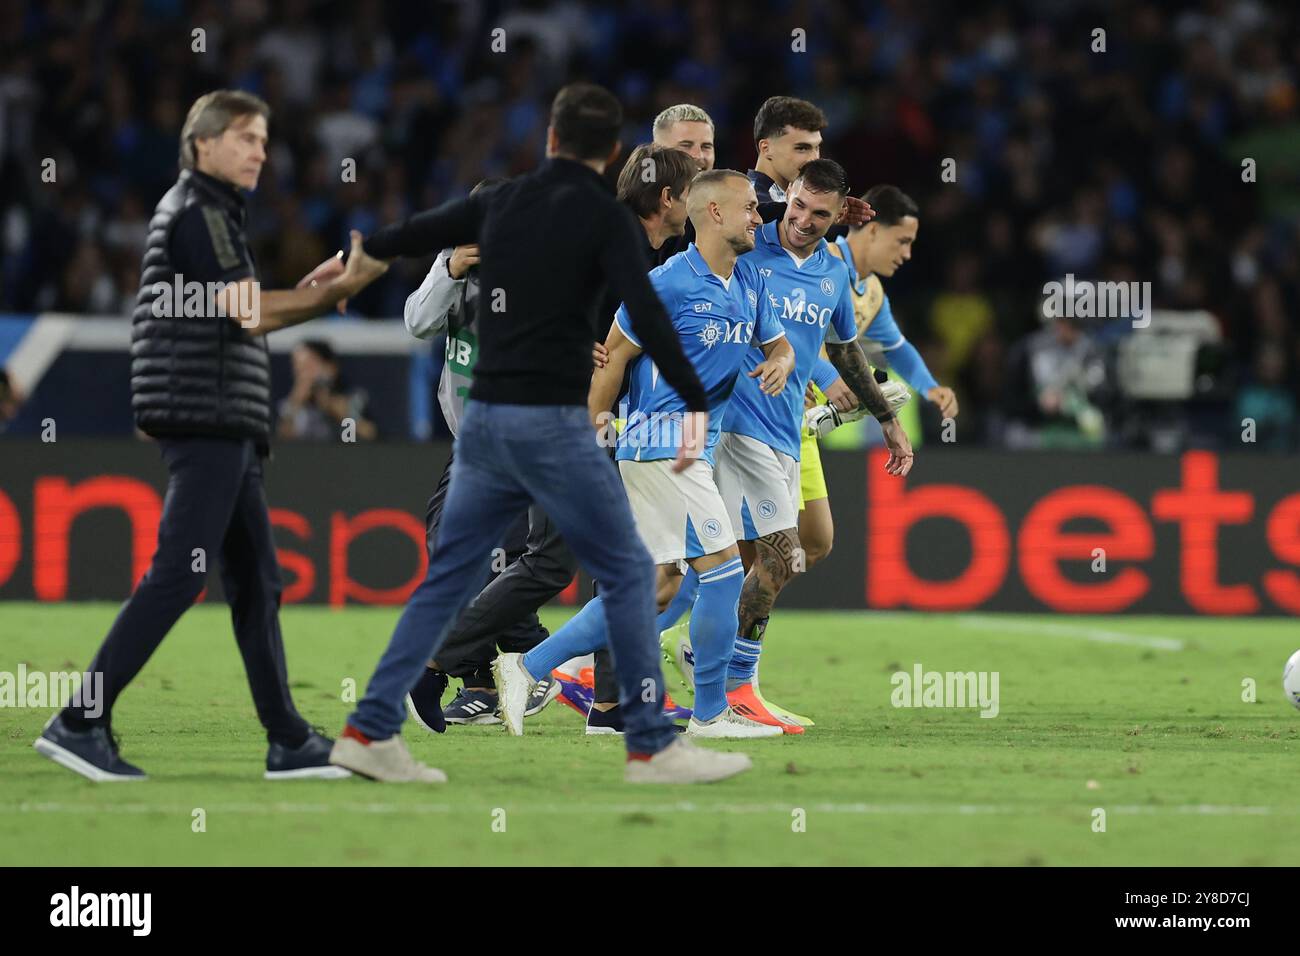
(1291, 680)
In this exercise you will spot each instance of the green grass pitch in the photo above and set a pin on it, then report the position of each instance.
(1140, 717)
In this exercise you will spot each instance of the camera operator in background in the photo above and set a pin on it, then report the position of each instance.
(320, 400)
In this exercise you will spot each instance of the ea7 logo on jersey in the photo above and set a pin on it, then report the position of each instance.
(703, 306)
(737, 333)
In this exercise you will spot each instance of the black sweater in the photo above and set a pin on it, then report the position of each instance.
(551, 241)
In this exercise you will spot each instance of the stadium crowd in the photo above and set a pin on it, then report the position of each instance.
(1122, 164)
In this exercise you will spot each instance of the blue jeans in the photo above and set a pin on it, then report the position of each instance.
(506, 457)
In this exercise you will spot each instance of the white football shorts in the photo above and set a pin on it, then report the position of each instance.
(759, 484)
(679, 516)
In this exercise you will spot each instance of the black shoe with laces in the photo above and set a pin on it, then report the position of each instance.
(309, 760)
(92, 752)
(424, 702)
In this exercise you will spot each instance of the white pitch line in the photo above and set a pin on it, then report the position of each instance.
(573, 809)
(1072, 630)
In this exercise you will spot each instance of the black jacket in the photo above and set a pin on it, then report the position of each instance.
(552, 241)
(197, 374)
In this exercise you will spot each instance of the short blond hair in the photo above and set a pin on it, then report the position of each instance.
(681, 113)
(212, 114)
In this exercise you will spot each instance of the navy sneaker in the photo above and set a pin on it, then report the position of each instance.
(611, 722)
(472, 707)
(424, 702)
(544, 691)
(91, 753)
(605, 721)
(310, 759)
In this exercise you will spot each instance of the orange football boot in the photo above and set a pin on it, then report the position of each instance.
(745, 702)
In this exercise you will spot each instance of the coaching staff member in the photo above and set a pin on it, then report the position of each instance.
(550, 242)
(201, 386)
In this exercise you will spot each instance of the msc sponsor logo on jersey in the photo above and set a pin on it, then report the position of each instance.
(737, 333)
(796, 308)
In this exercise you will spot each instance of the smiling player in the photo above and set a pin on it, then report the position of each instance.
(720, 308)
(758, 454)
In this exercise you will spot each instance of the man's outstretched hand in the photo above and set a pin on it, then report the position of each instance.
(362, 268)
(855, 212)
(900, 448)
(328, 270)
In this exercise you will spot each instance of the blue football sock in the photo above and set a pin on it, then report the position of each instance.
(681, 602)
(744, 656)
(713, 629)
(585, 632)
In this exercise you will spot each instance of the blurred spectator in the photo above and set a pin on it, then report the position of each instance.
(1269, 404)
(320, 400)
(1054, 376)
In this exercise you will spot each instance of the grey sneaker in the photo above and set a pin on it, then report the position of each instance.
(683, 762)
(730, 725)
(514, 685)
(545, 691)
(385, 760)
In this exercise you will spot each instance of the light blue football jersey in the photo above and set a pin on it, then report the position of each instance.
(719, 324)
(813, 302)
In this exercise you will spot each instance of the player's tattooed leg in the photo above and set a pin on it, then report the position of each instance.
(774, 562)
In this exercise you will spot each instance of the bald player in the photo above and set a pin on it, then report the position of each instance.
(719, 305)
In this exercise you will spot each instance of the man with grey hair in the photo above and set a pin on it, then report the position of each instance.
(201, 386)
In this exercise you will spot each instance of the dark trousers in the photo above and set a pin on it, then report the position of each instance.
(215, 510)
(504, 614)
(606, 690)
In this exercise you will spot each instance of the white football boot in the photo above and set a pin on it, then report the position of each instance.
(514, 686)
(730, 725)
